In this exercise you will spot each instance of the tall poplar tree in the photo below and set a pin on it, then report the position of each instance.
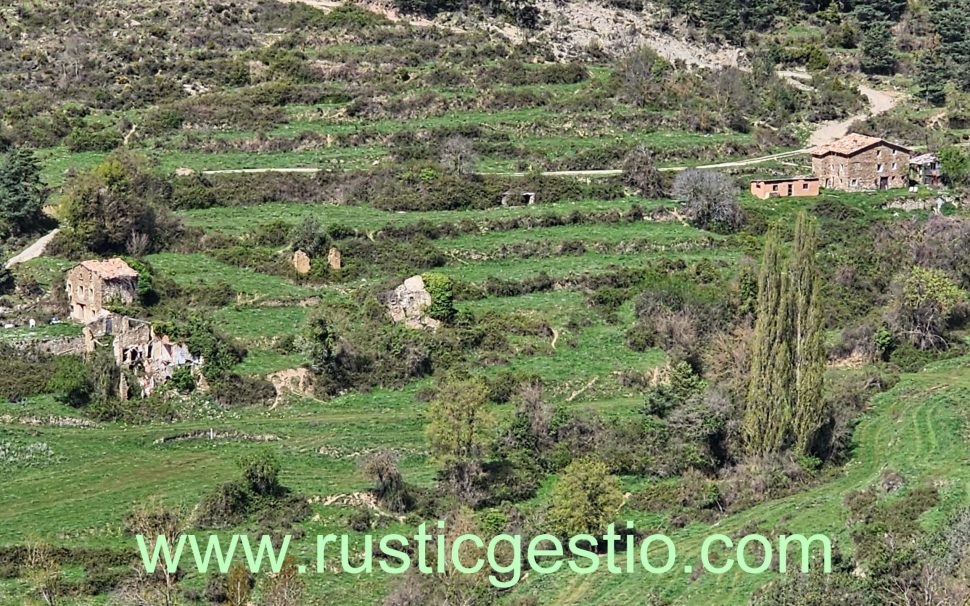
(809, 350)
(785, 407)
(767, 417)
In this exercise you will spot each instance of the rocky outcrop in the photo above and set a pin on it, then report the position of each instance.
(301, 262)
(334, 258)
(408, 302)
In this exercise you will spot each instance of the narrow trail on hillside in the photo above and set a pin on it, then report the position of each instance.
(880, 102)
(33, 251)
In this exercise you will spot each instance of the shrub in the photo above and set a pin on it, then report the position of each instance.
(223, 507)
(710, 199)
(261, 472)
(442, 291)
(640, 171)
(586, 499)
(389, 486)
(89, 139)
(70, 381)
(22, 376)
(922, 304)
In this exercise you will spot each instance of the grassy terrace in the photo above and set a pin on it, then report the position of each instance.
(238, 220)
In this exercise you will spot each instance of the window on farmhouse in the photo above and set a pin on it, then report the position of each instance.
(880, 167)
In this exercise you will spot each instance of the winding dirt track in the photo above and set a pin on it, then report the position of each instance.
(33, 251)
(880, 102)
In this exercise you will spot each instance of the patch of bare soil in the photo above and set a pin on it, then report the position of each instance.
(575, 28)
(292, 381)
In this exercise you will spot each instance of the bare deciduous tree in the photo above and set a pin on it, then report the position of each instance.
(43, 572)
(458, 156)
(710, 199)
(389, 486)
(155, 523)
(639, 171)
(285, 588)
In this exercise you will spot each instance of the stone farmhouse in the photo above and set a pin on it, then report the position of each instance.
(785, 187)
(861, 163)
(91, 285)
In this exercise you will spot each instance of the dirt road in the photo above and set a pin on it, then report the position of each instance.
(33, 251)
(880, 102)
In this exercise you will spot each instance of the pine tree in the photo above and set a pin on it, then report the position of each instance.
(931, 76)
(767, 417)
(878, 56)
(22, 195)
(809, 353)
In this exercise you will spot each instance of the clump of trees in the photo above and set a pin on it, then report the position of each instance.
(784, 406)
(118, 206)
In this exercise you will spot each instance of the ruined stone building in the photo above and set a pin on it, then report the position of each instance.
(408, 303)
(861, 163)
(138, 348)
(91, 285)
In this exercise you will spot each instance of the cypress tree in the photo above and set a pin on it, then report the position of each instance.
(809, 353)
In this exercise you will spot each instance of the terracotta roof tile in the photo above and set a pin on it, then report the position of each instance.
(849, 144)
(110, 269)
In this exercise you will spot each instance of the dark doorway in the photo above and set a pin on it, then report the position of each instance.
(883, 182)
(790, 189)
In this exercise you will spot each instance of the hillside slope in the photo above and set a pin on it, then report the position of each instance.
(919, 429)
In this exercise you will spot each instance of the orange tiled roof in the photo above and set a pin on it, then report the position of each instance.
(110, 269)
(849, 145)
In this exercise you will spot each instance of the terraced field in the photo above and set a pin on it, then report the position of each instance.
(565, 290)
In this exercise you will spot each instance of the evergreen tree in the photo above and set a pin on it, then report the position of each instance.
(22, 195)
(785, 407)
(869, 12)
(809, 359)
(768, 411)
(931, 76)
(878, 56)
(951, 18)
